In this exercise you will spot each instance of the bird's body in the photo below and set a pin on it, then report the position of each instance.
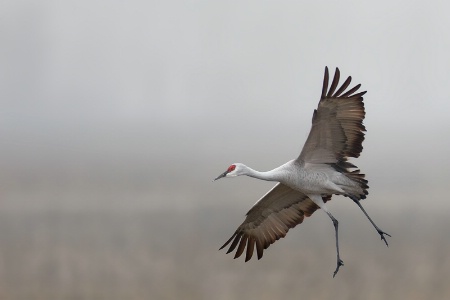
(308, 178)
(308, 182)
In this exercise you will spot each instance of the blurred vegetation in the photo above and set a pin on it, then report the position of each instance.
(89, 254)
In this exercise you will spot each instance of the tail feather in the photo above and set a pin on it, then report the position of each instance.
(355, 175)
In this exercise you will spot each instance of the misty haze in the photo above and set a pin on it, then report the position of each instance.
(116, 117)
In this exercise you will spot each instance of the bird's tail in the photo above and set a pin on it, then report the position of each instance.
(355, 175)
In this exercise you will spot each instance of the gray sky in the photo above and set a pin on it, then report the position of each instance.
(178, 90)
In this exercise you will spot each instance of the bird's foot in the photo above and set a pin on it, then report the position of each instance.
(382, 233)
(339, 264)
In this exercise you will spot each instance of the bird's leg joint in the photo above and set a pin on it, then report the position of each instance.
(356, 200)
(339, 264)
(334, 220)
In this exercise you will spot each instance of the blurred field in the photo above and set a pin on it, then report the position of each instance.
(52, 253)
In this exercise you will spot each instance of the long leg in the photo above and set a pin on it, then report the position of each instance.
(317, 199)
(380, 232)
(339, 260)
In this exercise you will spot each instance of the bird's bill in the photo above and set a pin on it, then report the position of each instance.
(222, 175)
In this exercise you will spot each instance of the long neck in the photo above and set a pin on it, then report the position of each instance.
(272, 175)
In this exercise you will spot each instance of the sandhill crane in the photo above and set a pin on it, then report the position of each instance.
(306, 183)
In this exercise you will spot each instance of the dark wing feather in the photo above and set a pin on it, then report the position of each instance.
(270, 219)
(337, 131)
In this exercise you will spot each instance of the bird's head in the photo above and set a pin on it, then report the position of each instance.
(234, 170)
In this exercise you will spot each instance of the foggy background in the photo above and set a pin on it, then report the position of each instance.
(115, 117)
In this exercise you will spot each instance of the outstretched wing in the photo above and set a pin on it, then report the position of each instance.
(337, 131)
(270, 219)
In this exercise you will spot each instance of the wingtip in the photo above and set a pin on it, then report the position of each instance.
(223, 246)
(325, 83)
(227, 242)
(349, 93)
(326, 73)
(359, 95)
(334, 83)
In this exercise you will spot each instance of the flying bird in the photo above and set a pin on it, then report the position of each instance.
(306, 183)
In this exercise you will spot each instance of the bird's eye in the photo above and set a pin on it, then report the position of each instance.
(231, 168)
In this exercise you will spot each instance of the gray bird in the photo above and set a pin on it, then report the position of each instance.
(306, 183)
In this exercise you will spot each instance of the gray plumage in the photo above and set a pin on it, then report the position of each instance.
(308, 182)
